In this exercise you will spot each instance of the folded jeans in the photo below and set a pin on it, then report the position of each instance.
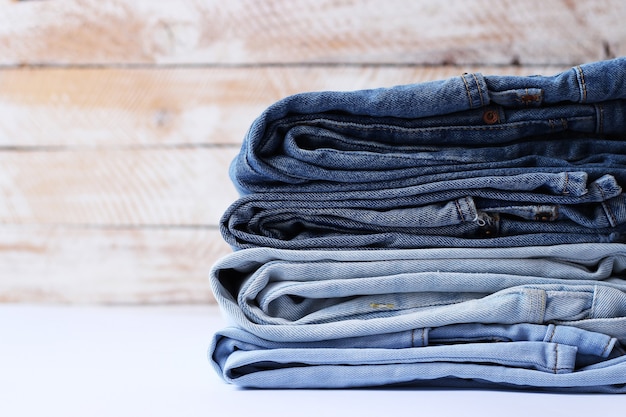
(298, 296)
(464, 232)
(452, 218)
(326, 141)
(520, 355)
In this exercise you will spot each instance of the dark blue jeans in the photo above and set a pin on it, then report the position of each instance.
(472, 161)
(364, 140)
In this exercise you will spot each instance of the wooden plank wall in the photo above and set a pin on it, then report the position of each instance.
(118, 118)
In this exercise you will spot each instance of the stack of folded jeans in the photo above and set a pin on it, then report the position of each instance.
(462, 233)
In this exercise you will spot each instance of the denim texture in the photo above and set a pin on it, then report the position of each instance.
(290, 295)
(466, 232)
(389, 137)
(543, 362)
(490, 216)
(543, 316)
(472, 161)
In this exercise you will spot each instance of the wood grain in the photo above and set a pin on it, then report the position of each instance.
(142, 187)
(116, 107)
(114, 266)
(530, 32)
(118, 119)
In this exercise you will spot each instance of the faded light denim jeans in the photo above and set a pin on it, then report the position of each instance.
(472, 161)
(549, 317)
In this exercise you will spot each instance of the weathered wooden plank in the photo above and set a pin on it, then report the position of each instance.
(112, 107)
(140, 187)
(40, 264)
(296, 31)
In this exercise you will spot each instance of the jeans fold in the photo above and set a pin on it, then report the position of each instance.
(467, 232)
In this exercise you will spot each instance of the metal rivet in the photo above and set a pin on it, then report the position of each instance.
(490, 117)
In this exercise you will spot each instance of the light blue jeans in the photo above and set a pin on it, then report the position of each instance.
(522, 355)
(463, 300)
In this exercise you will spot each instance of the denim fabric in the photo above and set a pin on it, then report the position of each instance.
(521, 316)
(493, 215)
(471, 161)
(518, 355)
(328, 141)
(289, 295)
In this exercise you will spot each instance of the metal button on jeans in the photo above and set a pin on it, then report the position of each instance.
(491, 117)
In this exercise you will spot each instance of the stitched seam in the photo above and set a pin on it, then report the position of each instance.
(556, 357)
(473, 212)
(607, 209)
(610, 214)
(582, 83)
(534, 307)
(458, 208)
(544, 367)
(480, 95)
(467, 90)
(543, 304)
(565, 191)
(401, 129)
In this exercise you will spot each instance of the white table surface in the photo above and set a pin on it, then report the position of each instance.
(151, 361)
